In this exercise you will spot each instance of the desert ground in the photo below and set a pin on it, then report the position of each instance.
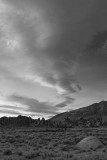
(50, 144)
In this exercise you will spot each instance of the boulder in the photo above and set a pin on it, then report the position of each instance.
(89, 143)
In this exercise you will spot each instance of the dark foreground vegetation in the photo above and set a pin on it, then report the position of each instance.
(50, 144)
(22, 121)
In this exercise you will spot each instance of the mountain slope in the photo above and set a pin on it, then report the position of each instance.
(96, 110)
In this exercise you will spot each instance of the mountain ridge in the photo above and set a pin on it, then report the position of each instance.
(98, 110)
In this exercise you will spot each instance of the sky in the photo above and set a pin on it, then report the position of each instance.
(53, 56)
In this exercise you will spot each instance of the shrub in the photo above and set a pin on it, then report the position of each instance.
(65, 148)
(8, 152)
(20, 153)
(32, 155)
(67, 142)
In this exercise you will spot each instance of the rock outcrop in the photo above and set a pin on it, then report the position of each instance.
(89, 143)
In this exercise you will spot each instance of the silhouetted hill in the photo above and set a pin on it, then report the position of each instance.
(95, 113)
(21, 121)
(16, 121)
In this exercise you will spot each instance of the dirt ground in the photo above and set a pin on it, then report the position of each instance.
(49, 144)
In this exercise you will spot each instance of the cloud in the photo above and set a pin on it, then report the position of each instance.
(11, 109)
(61, 105)
(8, 112)
(98, 42)
(33, 105)
(68, 99)
(18, 109)
(33, 48)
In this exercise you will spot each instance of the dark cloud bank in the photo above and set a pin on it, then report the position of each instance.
(34, 105)
(48, 38)
(98, 43)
